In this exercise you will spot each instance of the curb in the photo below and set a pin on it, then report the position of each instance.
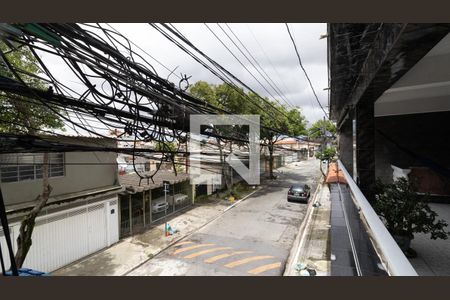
(189, 234)
(237, 202)
(295, 250)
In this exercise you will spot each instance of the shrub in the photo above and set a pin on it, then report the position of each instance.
(405, 212)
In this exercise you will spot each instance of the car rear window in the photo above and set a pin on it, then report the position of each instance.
(297, 189)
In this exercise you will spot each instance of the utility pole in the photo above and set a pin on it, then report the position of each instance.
(187, 153)
(230, 168)
(323, 134)
(324, 138)
(4, 222)
(307, 152)
(166, 190)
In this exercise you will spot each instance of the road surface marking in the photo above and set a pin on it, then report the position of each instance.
(225, 255)
(183, 243)
(246, 260)
(265, 268)
(205, 252)
(192, 248)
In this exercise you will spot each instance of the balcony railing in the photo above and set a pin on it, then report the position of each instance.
(394, 261)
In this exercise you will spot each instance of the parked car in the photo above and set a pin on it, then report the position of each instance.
(179, 199)
(299, 192)
(159, 205)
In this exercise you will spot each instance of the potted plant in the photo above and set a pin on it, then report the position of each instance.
(405, 212)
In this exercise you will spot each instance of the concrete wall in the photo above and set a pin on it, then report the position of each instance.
(83, 171)
(383, 160)
(345, 145)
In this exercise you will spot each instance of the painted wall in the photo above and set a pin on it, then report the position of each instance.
(83, 171)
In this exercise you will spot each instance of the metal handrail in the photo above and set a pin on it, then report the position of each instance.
(391, 255)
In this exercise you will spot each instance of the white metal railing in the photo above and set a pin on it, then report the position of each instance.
(392, 256)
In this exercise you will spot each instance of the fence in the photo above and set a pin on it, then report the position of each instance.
(394, 261)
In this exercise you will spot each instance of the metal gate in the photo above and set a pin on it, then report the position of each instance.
(63, 237)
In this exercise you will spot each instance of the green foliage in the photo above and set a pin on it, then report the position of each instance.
(224, 97)
(204, 91)
(202, 199)
(405, 212)
(296, 122)
(231, 100)
(166, 146)
(276, 119)
(290, 122)
(317, 129)
(328, 154)
(180, 168)
(19, 114)
(239, 190)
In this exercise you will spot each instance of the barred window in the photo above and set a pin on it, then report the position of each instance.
(20, 167)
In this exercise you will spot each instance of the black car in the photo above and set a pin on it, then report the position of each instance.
(299, 192)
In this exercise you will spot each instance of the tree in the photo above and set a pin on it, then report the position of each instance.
(204, 91)
(24, 115)
(225, 97)
(326, 154)
(19, 114)
(284, 122)
(319, 128)
(276, 120)
(166, 146)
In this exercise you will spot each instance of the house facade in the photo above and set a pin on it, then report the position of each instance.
(81, 215)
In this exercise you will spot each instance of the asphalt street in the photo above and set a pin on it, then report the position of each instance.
(253, 238)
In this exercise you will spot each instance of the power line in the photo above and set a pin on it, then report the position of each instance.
(217, 65)
(247, 60)
(240, 62)
(270, 61)
(304, 71)
(266, 77)
(224, 75)
(137, 46)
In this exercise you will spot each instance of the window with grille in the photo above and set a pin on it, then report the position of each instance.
(28, 166)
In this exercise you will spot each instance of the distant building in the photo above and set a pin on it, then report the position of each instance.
(303, 148)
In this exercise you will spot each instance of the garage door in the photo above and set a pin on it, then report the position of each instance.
(64, 237)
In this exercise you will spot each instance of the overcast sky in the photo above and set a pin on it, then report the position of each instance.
(269, 44)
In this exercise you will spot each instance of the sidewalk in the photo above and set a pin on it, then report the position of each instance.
(131, 252)
(312, 246)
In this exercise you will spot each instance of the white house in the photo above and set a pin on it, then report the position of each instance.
(81, 216)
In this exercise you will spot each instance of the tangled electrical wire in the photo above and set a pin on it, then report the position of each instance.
(122, 90)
